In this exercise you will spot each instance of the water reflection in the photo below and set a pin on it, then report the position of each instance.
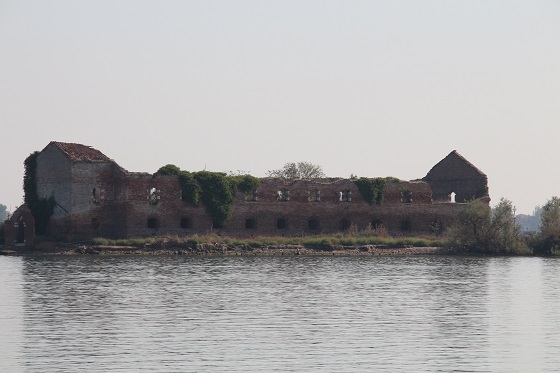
(11, 311)
(343, 314)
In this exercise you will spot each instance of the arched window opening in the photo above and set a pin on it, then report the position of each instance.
(153, 223)
(452, 197)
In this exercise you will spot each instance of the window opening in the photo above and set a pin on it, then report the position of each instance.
(152, 223)
(185, 223)
(281, 224)
(313, 224)
(436, 227)
(406, 225)
(251, 196)
(345, 196)
(154, 195)
(21, 230)
(452, 197)
(406, 196)
(250, 223)
(314, 195)
(345, 224)
(97, 195)
(283, 195)
(376, 223)
(94, 198)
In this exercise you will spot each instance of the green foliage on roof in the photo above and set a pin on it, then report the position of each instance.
(371, 189)
(216, 190)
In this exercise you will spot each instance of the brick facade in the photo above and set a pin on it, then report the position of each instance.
(96, 197)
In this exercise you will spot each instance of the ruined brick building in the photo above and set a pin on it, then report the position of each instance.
(96, 197)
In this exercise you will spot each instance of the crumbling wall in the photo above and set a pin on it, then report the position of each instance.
(304, 214)
(154, 207)
(19, 230)
(279, 207)
(98, 198)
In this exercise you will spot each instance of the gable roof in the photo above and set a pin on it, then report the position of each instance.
(450, 159)
(80, 153)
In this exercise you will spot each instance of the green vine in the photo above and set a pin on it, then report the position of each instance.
(41, 208)
(215, 189)
(190, 189)
(371, 189)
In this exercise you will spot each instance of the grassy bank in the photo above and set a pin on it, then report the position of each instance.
(264, 241)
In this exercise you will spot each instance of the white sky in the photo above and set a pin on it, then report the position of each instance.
(373, 88)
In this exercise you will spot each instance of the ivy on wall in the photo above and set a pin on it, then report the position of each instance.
(371, 189)
(41, 208)
(215, 189)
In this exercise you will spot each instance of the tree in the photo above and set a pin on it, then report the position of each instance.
(3, 213)
(480, 228)
(169, 169)
(300, 170)
(549, 232)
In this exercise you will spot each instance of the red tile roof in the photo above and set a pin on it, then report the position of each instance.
(81, 153)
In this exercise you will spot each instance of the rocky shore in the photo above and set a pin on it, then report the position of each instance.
(219, 249)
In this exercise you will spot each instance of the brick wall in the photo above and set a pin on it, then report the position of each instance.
(98, 198)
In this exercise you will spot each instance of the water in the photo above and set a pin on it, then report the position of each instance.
(279, 314)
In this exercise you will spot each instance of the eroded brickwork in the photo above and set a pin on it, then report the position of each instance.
(96, 197)
(19, 230)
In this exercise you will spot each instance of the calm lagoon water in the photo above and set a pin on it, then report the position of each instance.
(279, 314)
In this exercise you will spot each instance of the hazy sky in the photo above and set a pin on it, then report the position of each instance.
(373, 88)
